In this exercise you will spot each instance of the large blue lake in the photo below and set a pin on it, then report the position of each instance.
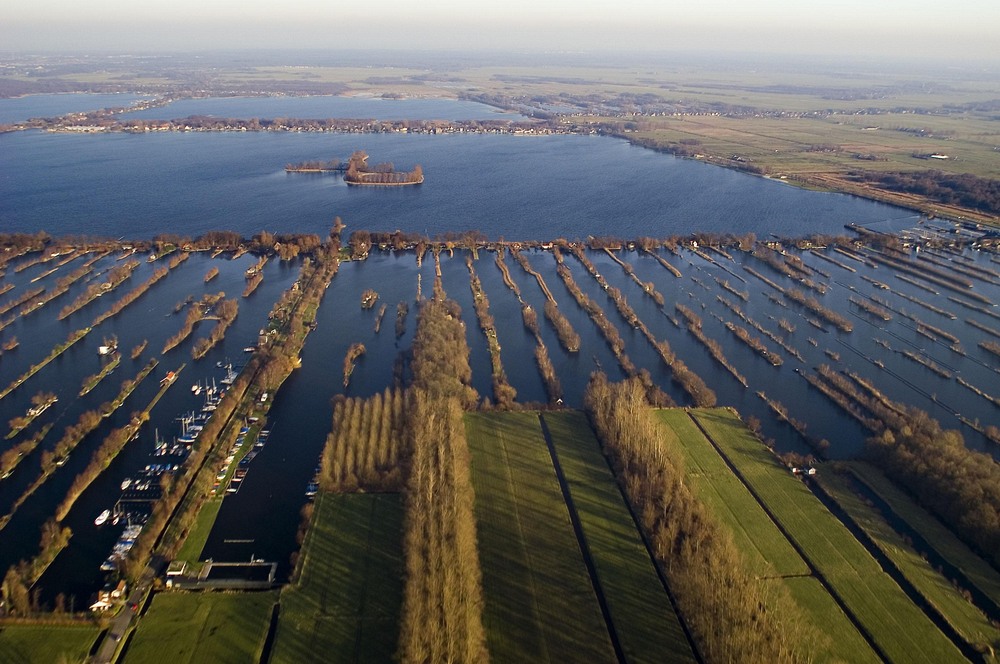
(20, 109)
(514, 187)
(325, 106)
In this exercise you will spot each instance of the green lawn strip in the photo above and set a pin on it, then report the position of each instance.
(345, 606)
(540, 605)
(46, 644)
(647, 625)
(213, 627)
(977, 571)
(963, 616)
(841, 641)
(200, 530)
(767, 550)
(895, 624)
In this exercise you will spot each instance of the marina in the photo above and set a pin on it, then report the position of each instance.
(76, 571)
(140, 491)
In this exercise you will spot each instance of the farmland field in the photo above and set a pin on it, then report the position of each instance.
(760, 540)
(28, 644)
(840, 641)
(539, 602)
(346, 602)
(640, 609)
(767, 550)
(203, 627)
(896, 626)
(976, 570)
(968, 621)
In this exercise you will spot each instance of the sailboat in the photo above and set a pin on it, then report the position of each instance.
(230, 375)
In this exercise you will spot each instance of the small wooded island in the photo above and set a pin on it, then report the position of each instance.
(357, 171)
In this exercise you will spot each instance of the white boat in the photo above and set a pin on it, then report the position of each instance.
(102, 517)
(126, 483)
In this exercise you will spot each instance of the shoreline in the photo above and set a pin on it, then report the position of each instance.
(383, 184)
(830, 181)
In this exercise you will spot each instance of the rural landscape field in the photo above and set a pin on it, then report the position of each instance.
(391, 356)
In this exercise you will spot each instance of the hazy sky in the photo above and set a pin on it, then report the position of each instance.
(961, 28)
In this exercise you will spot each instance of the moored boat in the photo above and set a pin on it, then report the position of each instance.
(102, 518)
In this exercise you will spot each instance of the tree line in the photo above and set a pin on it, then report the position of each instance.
(359, 172)
(365, 450)
(115, 277)
(503, 392)
(442, 596)
(732, 616)
(226, 311)
(354, 351)
(964, 189)
(196, 312)
(960, 485)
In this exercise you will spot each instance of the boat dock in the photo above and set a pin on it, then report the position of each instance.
(253, 575)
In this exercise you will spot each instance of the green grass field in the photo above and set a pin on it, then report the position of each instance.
(346, 604)
(40, 644)
(647, 626)
(840, 641)
(203, 627)
(976, 570)
(965, 618)
(766, 548)
(897, 627)
(200, 530)
(788, 145)
(540, 605)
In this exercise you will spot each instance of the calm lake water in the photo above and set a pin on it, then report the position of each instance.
(325, 106)
(504, 186)
(20, 109)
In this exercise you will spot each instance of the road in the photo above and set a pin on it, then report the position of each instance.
(123, 621)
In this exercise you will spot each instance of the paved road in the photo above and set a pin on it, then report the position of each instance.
(122, 622)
